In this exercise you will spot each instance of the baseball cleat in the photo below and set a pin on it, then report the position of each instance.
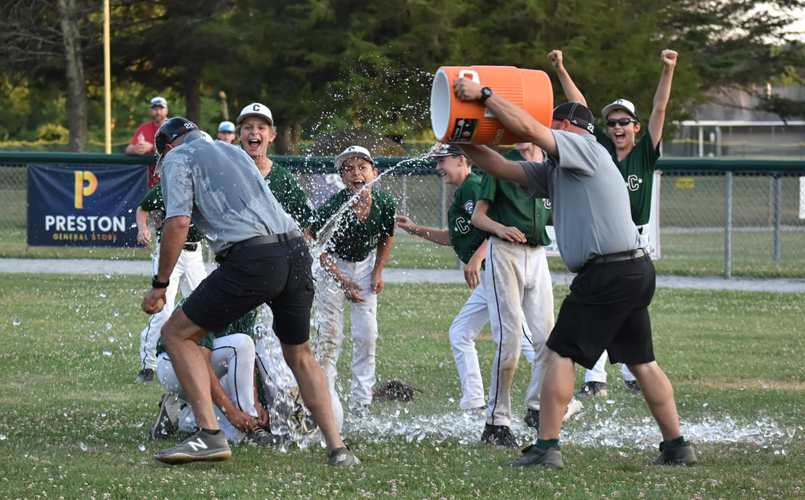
(633, 387)
(146, 376)
(592, 390)
(531, 418)
(681, 455)
(573, 408)
(499, 435)
(258, 436)
(342, 457)
(552, 457)
(201, 446)
(167, 421)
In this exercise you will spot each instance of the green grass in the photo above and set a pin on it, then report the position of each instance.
(734, 357)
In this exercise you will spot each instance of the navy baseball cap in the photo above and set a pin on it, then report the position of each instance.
(577, 114)
(168, 132)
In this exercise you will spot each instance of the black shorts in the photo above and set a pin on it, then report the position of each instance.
(278, 274)
(607, 309)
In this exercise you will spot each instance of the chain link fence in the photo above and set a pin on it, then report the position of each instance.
(748, 221)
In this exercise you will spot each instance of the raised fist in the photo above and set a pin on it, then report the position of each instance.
(556, 58)
(668, 57)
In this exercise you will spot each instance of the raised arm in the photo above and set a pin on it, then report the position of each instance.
(661, 97)
(512, 116)
(572, 92)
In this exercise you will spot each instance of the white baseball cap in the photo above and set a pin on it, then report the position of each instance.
(623, 104)
(256, 109)
(159, 101)
(226, 127)
(353, 152)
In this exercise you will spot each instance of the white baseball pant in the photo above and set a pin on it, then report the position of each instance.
(599, 371)
(518, 284)
(188, 273)
(329, 303)
(463, 332)
(232, 361)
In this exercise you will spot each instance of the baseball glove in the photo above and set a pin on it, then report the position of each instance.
(394, 390)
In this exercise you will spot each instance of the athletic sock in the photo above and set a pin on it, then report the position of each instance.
(211, 432)
(544, 444)
(674, 443)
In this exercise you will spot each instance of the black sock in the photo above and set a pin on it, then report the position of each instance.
(211, 432)
(674, 443)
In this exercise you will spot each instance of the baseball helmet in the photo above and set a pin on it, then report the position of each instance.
(170, 131)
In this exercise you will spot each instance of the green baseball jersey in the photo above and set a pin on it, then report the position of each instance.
(290, 195)
(153, 201)
(245, 324)
(205, 342)
(465, 237)
(637, 169)
(510, 207)
(353, 239)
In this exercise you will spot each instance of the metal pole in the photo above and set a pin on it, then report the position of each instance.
(701, 141)
(728, 226)
(777, 185)
(718, 141)
(442, 203)
(770, 199)
(107, 78)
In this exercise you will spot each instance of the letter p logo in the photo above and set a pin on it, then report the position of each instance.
(81, 190)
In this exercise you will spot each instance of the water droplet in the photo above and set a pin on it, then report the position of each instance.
(108, 326)
(103, 295)
(16, 321)
(142, 447)
(3, 437)
(116, 312)
(107, 353)
(82, 446)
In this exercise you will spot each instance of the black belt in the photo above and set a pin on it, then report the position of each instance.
(260, 240)
(617, 257)
(191, 247)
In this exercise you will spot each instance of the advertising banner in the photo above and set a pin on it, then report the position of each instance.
(84, 205)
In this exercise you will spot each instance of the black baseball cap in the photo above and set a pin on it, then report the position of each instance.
(168, 132)
(577, 114)
(445, 150)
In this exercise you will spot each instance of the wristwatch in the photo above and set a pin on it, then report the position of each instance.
(486, 93)
(155, 283)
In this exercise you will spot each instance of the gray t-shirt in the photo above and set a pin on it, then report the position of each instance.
(218, 186)
(589, 200)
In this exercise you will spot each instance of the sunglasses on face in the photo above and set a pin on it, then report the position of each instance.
(621, 121)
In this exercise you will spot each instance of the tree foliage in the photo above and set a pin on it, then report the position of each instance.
(323, 64)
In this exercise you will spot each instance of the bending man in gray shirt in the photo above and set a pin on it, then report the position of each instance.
(263, 258)
(608, 303)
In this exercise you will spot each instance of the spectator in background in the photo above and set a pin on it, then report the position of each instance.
(143, 141)
(226, 132)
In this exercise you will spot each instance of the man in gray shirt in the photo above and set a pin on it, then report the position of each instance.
(608, 303)
(263, 258)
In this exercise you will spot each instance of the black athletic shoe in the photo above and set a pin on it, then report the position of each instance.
(552, 457)
(200, 446)
(146, 376)
(499, 435)
(167, 422)
(258, 436)
(532, 418)
(633, 387)
(681, 455)
(592, 390)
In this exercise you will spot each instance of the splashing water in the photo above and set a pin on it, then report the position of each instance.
(327, 231)
(16, 321)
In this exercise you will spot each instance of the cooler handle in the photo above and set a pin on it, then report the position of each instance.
(474, 74)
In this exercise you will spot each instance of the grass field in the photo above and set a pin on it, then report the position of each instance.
(73, 424)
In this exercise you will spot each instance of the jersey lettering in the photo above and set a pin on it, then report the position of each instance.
(462, 225)
(198, 444)
(633, 182)
(547, 203)
(374, 241)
